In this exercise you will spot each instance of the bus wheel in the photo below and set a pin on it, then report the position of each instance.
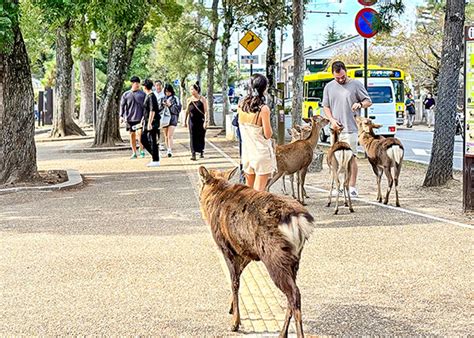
(310, 112)
(322, 136)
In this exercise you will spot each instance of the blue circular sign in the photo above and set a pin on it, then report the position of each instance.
(366, 22)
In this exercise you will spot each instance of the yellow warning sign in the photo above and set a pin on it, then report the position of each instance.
(250, 41)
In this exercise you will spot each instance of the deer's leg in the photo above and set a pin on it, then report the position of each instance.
(346, 189)
(298, 182)
(398, 167)
(292, 182)
(243, 264)
(338, 186)
(284, 185)
(332, 187)
(303, 179)
(273, 180)
(378, 173)
(388, 173)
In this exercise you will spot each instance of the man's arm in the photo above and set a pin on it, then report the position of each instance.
(327, 109)
(363, 98)
(123, 106)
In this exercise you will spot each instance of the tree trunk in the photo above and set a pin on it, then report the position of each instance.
(120, 56)
(270, 68)
(63, 123)
(440, 169)
(228, 23)
(211, 62)
(17, 124)
(182, 83)
(298, 69)
(87, 93)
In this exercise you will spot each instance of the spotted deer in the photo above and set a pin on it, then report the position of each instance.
(249, 225)
(384, 154)
(339, 159)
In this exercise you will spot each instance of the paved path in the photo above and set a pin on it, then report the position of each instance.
(128, 254)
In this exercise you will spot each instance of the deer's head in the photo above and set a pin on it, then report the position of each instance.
(208, 177)
(300, 132)
(366, 126)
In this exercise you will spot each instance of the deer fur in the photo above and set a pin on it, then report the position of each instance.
(339, 158)
(296, 133)
(297, 156)
(383, 154)
(248, 225)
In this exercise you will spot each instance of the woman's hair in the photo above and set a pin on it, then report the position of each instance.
(255, 99)
(169, 88)
(196, 87)
(148, 84)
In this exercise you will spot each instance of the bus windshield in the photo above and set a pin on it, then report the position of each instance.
(380, 94)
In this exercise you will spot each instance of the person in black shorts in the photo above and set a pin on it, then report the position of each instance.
(151, 124)
(131, 111)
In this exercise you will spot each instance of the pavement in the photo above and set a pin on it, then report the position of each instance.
(128, 254)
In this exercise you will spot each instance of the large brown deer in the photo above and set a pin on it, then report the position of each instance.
(383, 154)
(339, 158)
(297, 156)
(248, 225)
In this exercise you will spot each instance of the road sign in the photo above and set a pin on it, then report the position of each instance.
(468, 172)
(249, 59)
(366, 22)
(367, 2)
(176, 82)
(250, 41)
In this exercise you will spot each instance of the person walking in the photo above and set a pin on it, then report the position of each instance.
(196, 118)
(171, 102)
(131, 111)
(151, 124)
(160, 94)
(411, 111)
(343, 98)
(258, 155)
(429, 104)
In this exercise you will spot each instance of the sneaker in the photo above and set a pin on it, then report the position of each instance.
(153, 164)
(162, 147)
(134, 155)
(353, 192)
(169, 153)
(142, 154)
(334, 192)
(202, 155)
(193, 157)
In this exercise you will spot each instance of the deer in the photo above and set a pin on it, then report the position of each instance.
(296, 133)
(297, 156)
(383, 155)
(249, 225)
(339, 159)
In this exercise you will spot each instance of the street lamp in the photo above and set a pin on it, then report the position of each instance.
(94, 98)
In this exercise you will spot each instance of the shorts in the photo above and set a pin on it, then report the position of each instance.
(352, 139)
(173, 120)
(131, 124)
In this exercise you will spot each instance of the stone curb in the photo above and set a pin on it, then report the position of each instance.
(75, 149)
(74, 179)
(64, 139)
(42, 131)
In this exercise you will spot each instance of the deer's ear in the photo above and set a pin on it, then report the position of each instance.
(230, 173)
(297, 128)
(376, 126)
(204, 174)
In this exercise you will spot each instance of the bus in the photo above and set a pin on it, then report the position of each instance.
(314, 86)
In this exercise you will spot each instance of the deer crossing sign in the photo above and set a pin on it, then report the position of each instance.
(250, 41)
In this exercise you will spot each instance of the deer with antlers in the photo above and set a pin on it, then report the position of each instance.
(384, 154)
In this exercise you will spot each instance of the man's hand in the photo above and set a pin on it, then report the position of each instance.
(356, 106)
(149, 127)
(335, 124)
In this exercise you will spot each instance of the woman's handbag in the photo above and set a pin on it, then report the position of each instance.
(165, 117)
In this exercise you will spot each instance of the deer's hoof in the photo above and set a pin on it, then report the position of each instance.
(234, 327)
(398, 204)
(335, 212)
(385, 202)
(351, 209)
(329, 204)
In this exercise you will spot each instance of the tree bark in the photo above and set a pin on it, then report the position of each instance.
(298, 70)
(228, 23)
(211, 61)
(271, 26)
(87, 93)
(120, 56)
(440, 169)
(63, 123)
(17, 124)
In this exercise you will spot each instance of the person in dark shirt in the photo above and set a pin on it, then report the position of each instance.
(410, 105)
(429, 103)
(151, 124)
(131, 111)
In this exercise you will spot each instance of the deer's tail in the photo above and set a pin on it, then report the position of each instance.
(395, 153)
(297, 229)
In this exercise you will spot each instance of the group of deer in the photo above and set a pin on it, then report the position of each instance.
(248, 225)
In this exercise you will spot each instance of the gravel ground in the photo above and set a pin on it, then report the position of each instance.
(127, 254)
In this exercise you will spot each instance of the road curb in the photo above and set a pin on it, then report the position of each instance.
(75, 149)
(74, 179)
(45, 140)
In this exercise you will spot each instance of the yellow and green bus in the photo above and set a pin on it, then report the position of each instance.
(314, 86)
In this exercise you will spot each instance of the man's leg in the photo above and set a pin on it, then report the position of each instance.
(139, 135)
(354, 169)
(144, 141)
(133, 142)
(152, 136)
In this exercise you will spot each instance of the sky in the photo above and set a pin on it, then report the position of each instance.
(316, 25)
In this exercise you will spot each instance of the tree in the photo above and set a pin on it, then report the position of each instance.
(17, 145)
(211, 60)
(62, 16)
(333, 35)
(440, 169)
(87, 92)
(298, 53)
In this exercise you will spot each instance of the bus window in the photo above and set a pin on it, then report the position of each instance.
(399, 90)
(315, 90)
(306, 90)
(380, 94)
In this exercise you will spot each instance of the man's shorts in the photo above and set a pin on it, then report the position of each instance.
(352, 139)
(131, 124)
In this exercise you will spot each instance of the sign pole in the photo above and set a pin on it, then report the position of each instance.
(366, 61)
(281, 112)
(251, 67)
